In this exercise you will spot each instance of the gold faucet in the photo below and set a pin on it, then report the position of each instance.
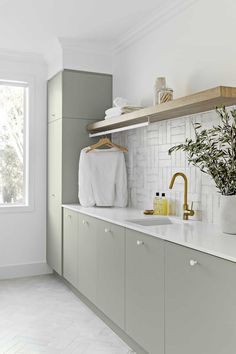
(186, 211)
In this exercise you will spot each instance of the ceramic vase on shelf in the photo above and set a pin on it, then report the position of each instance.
(228, 214)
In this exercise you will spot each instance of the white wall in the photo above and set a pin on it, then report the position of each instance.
(23, 234)
(80, 55)
(54, 59)
(95, 57)
(195, 50)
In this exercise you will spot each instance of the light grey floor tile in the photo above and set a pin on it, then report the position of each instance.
(40, 315)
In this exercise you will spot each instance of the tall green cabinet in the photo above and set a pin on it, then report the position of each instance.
(75, 99)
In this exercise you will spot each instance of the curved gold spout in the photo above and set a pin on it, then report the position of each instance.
(186, 212)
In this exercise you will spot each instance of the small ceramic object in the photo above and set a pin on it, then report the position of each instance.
(148, 212)
(227, 214)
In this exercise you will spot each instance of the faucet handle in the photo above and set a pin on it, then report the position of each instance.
(188, 212)
(191, 211)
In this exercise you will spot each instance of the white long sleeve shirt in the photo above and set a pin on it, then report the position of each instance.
(102, 178)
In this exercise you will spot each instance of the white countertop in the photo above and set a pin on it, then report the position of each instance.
(193, 234)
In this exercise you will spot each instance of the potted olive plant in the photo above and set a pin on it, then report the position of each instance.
(214, 152)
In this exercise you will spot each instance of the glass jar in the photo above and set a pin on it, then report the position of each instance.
(165, 95)
(160, 84)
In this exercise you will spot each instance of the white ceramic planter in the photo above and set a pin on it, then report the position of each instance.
(228, 214)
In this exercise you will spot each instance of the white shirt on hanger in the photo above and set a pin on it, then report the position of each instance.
(102, 178)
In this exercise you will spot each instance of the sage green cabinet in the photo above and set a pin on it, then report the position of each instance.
(87, 258)
(66, 138)
(74, 139)
(54, 218)
(54, 231)
(55, 97)
(111, 270)
(145, 291)
(74, 97)
(79, 94)
(70, 245)
(55, 159)
(86, 95)
(167, 298)
(200, 302)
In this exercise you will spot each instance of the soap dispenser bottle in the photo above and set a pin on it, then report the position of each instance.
(163, 205)
(156, 206)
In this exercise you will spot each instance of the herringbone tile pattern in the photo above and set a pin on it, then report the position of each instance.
(41, 315)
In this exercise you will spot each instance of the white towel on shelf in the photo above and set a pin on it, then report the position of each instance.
(117, 112)
(102, 178)
(113, 112)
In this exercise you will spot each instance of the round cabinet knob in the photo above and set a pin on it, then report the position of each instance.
(85, 222)
(192, 262)
(107, 230)
(69, 216)
(53, 195)
(140, 243)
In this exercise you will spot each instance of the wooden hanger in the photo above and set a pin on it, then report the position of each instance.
(106, 142)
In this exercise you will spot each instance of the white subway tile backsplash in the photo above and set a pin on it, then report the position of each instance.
(150, 168)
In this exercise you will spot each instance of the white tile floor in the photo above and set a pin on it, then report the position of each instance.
(41, 315)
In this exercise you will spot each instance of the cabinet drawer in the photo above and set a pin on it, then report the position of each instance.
(55, 98)
(200, 303)
(145, 291)
(87, 258)
(55, 160)
(54, 235)
(111, 268)
(70, 245)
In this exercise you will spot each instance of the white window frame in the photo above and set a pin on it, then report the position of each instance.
(24, 81)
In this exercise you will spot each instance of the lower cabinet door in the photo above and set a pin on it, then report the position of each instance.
(145, 291)
(54, 235)
(70, 245)
(200, 303)
(111, 268)
(87, 258)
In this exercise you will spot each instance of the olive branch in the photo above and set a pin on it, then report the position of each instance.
(214, 151)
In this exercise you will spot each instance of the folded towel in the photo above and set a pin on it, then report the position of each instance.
(128, 109)
(113, 112)
(116, 112)
(109, 117)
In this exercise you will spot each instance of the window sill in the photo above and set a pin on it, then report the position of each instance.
(16, 208)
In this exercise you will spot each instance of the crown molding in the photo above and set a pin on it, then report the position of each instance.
(162, 15)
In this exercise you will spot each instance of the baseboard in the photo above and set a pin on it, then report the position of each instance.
(24, 270)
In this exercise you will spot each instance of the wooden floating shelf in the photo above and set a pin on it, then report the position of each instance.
(196, 103)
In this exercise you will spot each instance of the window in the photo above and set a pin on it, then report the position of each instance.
(13, 144)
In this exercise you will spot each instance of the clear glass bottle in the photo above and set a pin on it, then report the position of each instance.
(163, 205)
(156, 209)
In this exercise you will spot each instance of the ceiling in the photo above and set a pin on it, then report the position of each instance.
(34, 25)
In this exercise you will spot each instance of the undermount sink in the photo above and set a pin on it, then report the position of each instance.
(152, 222)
